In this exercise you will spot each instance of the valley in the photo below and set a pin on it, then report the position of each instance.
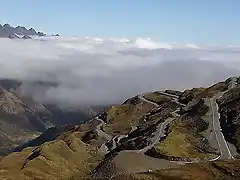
(22, 119)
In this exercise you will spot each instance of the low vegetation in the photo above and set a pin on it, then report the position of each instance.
(198, 93)
(121, 118)
(184, 135)
(65, 158)
(173, 92)
(157, 97)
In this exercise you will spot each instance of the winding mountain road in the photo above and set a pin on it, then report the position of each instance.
(223, 147)
(174, 97)
(101, 133)
(141, 97)
(161, 127)
(159, 134)
(233, 82)
(225, 152)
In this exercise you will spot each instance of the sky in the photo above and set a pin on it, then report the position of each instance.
(183, 21)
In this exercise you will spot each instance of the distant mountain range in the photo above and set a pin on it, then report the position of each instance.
(7, 31)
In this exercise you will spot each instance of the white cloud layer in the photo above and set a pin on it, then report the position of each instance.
(93, 71)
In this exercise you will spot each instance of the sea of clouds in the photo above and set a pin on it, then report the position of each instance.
(96, 71)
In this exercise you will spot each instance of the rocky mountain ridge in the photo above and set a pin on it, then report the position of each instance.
(7, 31)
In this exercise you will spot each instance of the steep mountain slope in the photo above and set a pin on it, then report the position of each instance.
(22, 119)
(229, 108)
(159, 135)
(184, 138)
(65, 158)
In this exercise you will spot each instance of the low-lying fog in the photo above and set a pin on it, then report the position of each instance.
(94, 71)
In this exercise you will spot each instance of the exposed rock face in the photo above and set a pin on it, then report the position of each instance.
(229, 108)
(196, 93)
(3, 32)
(7, 31)
(32, 32)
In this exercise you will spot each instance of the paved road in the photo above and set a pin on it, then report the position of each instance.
(107, 137)
(141, 97)
(169, 95)
(233, 82)
(100, 132)
(174, 113)
(223, 147)
(161, 127)
(159, 134)
(133, 128)
(175, 97)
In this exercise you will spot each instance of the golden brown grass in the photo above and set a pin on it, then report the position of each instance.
(180, 143)
(219, 87)
(176, 144)
(156, 97)
(60, 159)
(122, 117)
(197, 93)
(11, 104)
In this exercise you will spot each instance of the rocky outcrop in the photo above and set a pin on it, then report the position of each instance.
(7, 31)
(153, 153)
(229, 109)
(198, 93)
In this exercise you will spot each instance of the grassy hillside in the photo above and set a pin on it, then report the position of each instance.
(67, 157)
(121, 118)
(184, 138)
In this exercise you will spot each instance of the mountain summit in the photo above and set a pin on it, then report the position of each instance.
(7, 31)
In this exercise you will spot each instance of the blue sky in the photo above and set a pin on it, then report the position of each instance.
(184, 21)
